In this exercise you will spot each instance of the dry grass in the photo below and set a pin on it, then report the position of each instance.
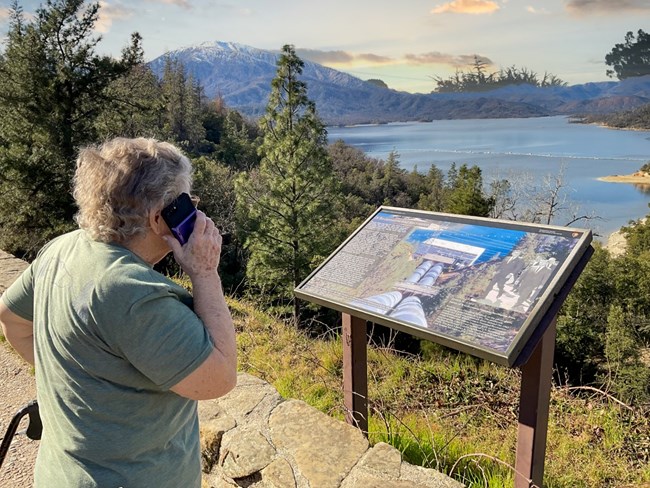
(451, 411)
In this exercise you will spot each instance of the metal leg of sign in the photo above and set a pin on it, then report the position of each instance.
(533, 412)
(355, 372)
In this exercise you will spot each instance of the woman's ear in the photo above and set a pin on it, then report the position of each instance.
(157, 223)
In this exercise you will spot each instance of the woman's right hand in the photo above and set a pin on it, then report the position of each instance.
(200, 256)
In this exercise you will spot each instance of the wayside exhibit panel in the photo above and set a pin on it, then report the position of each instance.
(477, 285)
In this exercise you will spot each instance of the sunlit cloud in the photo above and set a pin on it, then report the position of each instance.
(454, 60)
(374, 58)
(4, 14)
(108, 13)
(180, 3)
(342, 58)
(324, 57)
(598, 7)
(475, 7)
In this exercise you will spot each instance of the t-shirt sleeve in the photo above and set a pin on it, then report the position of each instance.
(19, 297)
(162, 338)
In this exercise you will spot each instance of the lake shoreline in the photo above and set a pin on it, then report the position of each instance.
(635, 178)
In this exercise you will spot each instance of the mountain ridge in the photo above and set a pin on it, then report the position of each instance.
(242, 75)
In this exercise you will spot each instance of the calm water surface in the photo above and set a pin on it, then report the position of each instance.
(505, 148)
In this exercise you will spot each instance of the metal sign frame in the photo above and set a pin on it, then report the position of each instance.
(457, 241)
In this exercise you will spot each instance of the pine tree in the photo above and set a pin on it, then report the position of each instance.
(236, 147)
(392, 182)
(183, 99)
(630, 58)
(52, 88)
(135, 108)
(465, 195)
(288, 203)
(434, 195)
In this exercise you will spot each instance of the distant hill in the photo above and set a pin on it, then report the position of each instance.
(601, 97)
(242, 76)
(638, 118)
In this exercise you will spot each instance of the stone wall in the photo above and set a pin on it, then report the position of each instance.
(254, 438)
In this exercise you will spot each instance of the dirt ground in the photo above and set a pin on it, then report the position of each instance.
(17, 388)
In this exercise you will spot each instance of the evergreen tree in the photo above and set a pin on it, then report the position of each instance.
(582, 322)
(630, 58)
(637, 236)
(136, 108)
(625, 373)
(433, 198)
(465, 192)
(214, 182)
(236, 147)
(288, 203)
(354, 173)
(52, 88)
(393, 182)
(183, 100)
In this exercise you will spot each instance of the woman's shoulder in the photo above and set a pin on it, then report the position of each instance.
(134, 280)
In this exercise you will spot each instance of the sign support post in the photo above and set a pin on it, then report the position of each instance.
(355, 372)
(533, 412)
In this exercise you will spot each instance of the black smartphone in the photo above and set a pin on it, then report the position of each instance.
(180, 216)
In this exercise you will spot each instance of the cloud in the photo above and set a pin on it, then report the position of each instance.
(108, 13)
(598, 7)
(324, 57)
(455, 60)
(476, 7)
(374, 58)
(341, 57)
(4, 14)
(347, 59)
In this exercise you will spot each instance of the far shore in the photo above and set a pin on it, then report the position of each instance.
(636, 178)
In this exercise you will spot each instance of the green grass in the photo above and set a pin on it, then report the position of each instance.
(450, 411)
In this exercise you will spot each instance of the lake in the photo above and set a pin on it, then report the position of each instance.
(507, 148)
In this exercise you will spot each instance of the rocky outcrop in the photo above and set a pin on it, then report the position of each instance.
(254, 438)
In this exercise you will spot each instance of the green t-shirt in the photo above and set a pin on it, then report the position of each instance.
(111, 337)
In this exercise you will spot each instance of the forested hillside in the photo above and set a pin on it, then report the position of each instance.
(638, 119)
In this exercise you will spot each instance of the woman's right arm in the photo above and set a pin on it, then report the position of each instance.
(199, 258)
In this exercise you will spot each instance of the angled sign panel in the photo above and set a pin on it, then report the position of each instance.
(477, 285)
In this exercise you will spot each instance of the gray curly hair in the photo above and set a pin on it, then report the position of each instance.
(117, 183)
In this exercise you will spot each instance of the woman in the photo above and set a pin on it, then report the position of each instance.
(121, 353)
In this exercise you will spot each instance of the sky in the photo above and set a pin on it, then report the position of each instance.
(405, 43)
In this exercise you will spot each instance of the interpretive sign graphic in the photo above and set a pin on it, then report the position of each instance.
(473, 284)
